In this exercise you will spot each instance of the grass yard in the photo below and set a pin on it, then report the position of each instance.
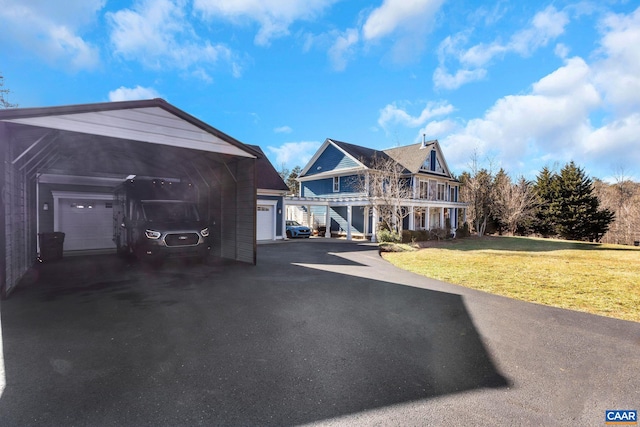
(598, 279)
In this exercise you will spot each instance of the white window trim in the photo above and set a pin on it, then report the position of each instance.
(336, 184)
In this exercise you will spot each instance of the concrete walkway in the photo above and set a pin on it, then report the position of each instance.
(319, 332)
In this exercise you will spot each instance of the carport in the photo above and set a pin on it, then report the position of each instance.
(55, 159)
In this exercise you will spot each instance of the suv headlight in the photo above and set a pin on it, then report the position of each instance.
(152, 234)
(205, 232)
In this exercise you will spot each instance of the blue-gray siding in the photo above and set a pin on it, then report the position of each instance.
(339, 219)
(324, 187)
(331, 159)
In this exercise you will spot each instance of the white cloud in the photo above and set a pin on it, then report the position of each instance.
(158, 34)
(392, 114)
(618, 72)
(619, 138)
(545, 26)
(393, 15)
(293, 154)
(442, 78)
(283, 129)
(343, 48)
(52, 32)
(553, 119)
(435, 129)
(130, 94)
(405, 22)
(273, 16)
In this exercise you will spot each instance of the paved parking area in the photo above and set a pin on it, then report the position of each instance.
(319, 332)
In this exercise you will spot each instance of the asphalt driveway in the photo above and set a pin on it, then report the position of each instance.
(319, 332)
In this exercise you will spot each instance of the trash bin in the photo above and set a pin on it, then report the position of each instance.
(51, 245)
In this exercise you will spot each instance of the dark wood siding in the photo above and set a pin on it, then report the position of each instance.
(246, 217)
(3, 250)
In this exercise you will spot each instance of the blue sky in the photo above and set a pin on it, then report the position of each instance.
(523, 84)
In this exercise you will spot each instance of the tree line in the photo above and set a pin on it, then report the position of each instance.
(567, 204)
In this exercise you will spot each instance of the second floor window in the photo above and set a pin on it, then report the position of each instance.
(441, 192)
(424, 190)
(336, 184)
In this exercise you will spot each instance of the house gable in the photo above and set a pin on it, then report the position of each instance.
(435, 162)
(329, 158)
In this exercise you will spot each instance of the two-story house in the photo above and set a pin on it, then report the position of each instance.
(332, 191)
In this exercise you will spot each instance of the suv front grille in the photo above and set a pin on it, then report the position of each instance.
(181, 239)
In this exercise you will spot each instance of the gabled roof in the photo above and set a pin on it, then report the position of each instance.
(267, 176)
(153, 121)
(412, 157)
(361, 154)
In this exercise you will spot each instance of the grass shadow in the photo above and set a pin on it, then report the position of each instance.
(520, 244)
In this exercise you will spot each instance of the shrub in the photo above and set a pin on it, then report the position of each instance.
(409, 236)
(438, 234)
(463, 231)
(389, 236)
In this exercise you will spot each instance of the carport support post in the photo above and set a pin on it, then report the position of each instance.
(349, 219)
(327, 223)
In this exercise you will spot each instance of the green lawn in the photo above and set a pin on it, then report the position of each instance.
(598, 279)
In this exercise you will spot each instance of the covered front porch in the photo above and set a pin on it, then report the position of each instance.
(358, 217)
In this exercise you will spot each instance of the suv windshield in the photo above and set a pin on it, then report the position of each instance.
(170, 211)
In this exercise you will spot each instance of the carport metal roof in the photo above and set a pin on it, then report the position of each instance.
(154, 121)
(96, 140)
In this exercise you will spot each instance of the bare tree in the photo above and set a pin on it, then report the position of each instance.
(477, 191)
(623, 198)
(514, 204)
(387, 186)
(4, 93)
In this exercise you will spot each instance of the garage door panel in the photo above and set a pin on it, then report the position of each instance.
(264, 222)
(87, 224)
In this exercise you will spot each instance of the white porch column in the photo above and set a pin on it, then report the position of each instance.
(441, 217)
(412, 218)
(283, 219)
(427, 218)
(309, 215)
(349, 220)
(327, 222)
(366, 221)
(374, 224)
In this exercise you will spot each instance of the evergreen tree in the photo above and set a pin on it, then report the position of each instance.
(546, 189)
(292, 182)
(500, 200)
(575, 209)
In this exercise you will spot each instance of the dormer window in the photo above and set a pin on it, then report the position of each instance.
(432, 163)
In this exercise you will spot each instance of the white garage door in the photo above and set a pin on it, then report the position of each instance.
(87, 224)
(265, 222)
